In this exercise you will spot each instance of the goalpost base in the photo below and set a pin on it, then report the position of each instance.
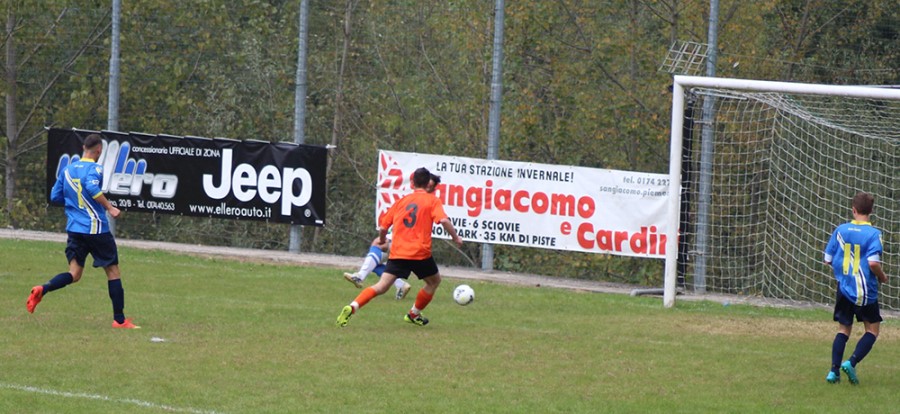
(652, 291)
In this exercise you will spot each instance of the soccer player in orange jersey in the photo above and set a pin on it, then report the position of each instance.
(410, 220)
(376, 257)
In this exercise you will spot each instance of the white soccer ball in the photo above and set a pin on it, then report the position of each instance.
(463, 295)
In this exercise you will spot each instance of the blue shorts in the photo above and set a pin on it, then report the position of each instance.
(403, 267)
(376, 254)
(845, 310)
(102, 248)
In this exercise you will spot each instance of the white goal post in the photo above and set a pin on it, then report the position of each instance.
(795, 149)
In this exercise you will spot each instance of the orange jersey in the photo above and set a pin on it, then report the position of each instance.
(411, 219)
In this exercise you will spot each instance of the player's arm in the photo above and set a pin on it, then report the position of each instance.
(385, 222)
(831, 248)
(448, 227)
(56, 193)
(112, 210)
(382, 236)
(878, 271)
(92, 187)
(377, 243)
(445, 222)
(876, 249)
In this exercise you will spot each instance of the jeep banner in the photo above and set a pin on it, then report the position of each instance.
(223, 178)
(538, 205)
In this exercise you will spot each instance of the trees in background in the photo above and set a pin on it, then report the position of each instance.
(581, 87)
(43, 44)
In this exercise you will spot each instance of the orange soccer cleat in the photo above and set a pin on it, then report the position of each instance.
(125, 325)
(37, 293)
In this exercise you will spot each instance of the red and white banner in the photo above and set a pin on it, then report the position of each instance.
(538, 205)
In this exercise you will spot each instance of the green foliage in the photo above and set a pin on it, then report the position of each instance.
(220, 67)
(581, 87)
(834, 41)
(50, 52)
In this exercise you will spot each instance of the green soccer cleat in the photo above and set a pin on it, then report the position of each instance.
(848, 369)
(345, 315)
(833, 378)
(416, 320)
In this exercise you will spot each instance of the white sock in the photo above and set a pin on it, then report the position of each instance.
(400, 283)
(368, 265)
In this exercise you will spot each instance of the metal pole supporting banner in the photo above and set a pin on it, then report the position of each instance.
(112, 122)
(487, 250)
(300, 106)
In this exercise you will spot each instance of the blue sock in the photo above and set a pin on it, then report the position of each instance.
(862, 348)
(837, 352)
(117, 295)
(58, 282)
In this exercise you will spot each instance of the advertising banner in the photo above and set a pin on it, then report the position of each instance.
(538, 205)
(222, 178)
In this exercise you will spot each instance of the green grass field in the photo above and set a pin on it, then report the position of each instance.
(257, 338)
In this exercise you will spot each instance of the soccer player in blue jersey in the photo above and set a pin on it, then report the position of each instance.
(854, 253)
(79, 187)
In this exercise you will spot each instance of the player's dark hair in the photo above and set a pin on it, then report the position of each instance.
(436, 178)
(863, 203)
(91, 141)
(421, 177)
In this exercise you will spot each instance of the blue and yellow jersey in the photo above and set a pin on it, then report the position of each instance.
(78, 185)
(850, 249)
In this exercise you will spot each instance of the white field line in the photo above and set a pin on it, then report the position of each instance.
(45, 391)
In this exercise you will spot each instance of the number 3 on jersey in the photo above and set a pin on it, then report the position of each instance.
(411, 215)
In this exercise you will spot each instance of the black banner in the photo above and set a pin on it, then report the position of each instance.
(223, 178)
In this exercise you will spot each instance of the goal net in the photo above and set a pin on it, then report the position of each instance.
(767, 170)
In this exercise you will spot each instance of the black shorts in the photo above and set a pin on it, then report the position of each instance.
(102, 248)
(844, 310)
(402, 267)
